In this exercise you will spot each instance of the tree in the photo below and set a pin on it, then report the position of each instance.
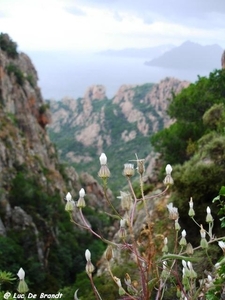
(188, 108)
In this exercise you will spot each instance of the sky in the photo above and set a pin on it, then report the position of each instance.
(95, 25)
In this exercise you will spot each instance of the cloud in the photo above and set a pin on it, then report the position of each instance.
(116, 24)
(75, 11)
(190, 12)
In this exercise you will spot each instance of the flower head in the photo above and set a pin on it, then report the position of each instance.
(209, 218)
(70, 203)
(89, 266)
(191, 212)
(81, 202)
(104, 172)
(203, 242)
(183, 241)
(22, 286)
(168, 179)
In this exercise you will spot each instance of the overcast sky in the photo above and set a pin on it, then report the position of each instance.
(111, 24)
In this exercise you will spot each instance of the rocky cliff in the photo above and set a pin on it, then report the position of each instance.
(121, 126)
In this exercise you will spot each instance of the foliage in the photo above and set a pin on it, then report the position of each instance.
(7, 45)
(43, 108)
(65, 244)
(188, 108)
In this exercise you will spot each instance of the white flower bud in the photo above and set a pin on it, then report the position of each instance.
(68, 197)
(168, 169)
(191, 203)
(202, 232)
(103, 159)
(189, 265)
(82, 193)
(222, 245)
(21, 274)
(209, 278)
(122, 223)
(184, 263)
(183, 233)
(208, 210)
(88, 255)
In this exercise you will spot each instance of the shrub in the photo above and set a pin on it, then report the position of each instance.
(7, 45)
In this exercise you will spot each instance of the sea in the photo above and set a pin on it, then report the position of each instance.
(70, 74)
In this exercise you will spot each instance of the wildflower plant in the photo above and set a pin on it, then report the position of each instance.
(164, 263)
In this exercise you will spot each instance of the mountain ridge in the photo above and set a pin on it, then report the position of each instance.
(189, 55)
(148, 52)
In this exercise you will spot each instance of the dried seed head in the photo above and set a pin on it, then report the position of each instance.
(109, 253)
(140, 166)
(128, 170)
(126, 200)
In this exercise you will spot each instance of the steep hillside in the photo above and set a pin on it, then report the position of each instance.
(121, 127)
(35, 230)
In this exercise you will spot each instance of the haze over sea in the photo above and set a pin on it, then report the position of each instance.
(70, 74)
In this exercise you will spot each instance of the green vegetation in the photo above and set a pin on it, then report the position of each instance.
(188, 109)
(44, 107)
(63, 245)
(195, 145)
(7, 45)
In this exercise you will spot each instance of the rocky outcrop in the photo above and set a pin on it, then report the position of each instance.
(84, 128)
(157, 98)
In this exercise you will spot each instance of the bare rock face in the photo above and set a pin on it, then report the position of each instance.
(157, 98)
(95, 92)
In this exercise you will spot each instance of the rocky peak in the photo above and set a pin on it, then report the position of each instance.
(95, 92)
